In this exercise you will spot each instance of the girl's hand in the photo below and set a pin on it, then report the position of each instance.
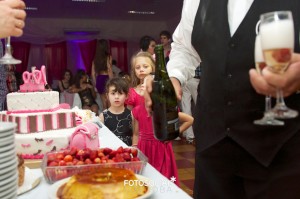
(89, 86)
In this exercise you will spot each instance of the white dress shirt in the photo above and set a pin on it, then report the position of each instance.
(183, 58)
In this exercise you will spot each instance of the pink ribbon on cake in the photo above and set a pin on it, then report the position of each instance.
(60, 106)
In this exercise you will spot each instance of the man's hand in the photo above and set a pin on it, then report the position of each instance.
(12, 16)
(267, 83)
(148, 89)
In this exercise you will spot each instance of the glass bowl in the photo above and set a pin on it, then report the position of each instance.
(63, 164)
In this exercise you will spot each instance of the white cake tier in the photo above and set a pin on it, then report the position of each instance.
(32, 100)
(42, 121)
(36, 144)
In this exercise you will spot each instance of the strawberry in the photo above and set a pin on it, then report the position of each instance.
(97, 160)
(50, 157)
(59, 156)
(93, 154)
(128, 150)
(126, 156)
(120, 149)
(53, 164)
(68, 158)
(100, 154)
(107, 151)
(134, 152)
(112, 154)
(88, 161)
(62, 163)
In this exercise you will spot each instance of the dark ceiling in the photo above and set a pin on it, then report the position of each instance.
(49, 19)
(108, 9)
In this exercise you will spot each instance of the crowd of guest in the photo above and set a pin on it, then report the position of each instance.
(88, 90)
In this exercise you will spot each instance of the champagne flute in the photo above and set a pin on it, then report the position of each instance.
(277, 42)
(268, 118)
(8, 59)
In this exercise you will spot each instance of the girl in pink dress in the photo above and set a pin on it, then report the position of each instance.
(160, 154)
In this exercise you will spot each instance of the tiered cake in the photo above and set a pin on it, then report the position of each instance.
(43, 124)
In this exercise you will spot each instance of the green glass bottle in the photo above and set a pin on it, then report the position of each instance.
(164, 101)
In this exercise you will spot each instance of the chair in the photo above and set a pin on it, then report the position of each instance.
(66, 97)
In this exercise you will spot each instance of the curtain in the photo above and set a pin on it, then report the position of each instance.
(119, 53)
(56, 60)
(21, 52)
(87, 51)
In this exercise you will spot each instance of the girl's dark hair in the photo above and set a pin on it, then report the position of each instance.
(80, 73)
(145, 42)
(101, 56)
(120, 84)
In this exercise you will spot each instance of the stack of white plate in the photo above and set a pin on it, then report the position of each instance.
(8, 161)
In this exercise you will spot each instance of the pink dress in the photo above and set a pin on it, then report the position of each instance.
(160, 154)
(134, 98)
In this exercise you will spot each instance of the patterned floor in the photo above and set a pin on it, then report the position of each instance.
(184, 154)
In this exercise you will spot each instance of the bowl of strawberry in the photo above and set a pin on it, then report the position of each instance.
(62, 164)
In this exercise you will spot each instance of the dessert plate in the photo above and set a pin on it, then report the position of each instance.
(6, 133)
(31, 181)
(7, 126)
(54, 187)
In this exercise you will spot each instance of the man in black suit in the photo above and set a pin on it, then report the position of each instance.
(235, 159)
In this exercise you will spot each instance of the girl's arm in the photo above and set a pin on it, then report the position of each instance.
(93, 74)
(109, 67)
(92, 88)
(135, 130)
(185, 121)
(61, 89)
(101, 118)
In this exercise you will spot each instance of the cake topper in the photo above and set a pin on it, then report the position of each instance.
(34, 81)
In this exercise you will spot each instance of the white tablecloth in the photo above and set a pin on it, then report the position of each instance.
(162, 187)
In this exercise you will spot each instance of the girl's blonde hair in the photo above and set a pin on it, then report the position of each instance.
(134, 79)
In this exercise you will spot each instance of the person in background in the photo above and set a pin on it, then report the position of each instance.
(165, 39)
(66, 82)
(115, 69)
(11, 80)
(125, 76)
(102, 69)
(12, 22)
(235, 158)
(143, 65)
(64, 88)
(117, 118)
(86, 91)
(147, 44)
(188, 102)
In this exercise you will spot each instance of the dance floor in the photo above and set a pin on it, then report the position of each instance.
(184, 154)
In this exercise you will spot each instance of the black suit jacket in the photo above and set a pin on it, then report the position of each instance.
(227, 103)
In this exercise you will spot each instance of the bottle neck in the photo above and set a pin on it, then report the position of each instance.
(160, 69)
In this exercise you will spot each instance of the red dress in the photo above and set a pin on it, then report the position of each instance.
(160, 154)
